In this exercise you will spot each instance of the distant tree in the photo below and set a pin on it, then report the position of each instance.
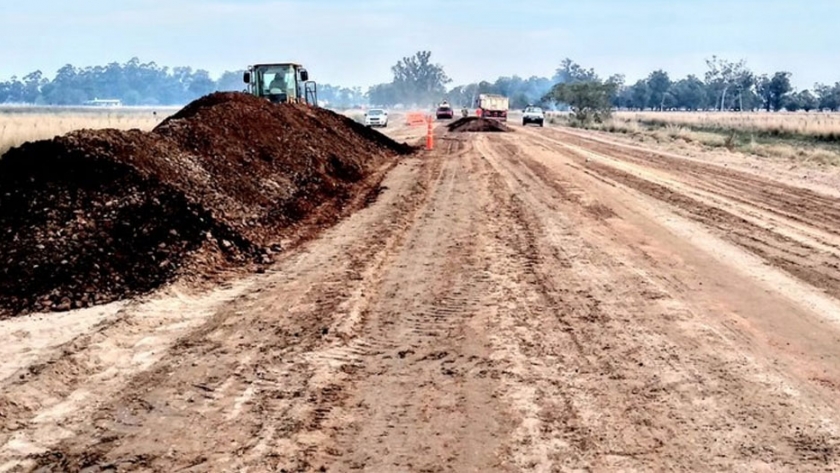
(617, 80)
(792, 103)
(828, 97)
(571, 72)
(200, 83)
(417, 80)
(383, 95)
(588, 100)
(806, 100)
(639, 95)
(774, 90)
(764, 91)
(14, 90)
(32, 84)
(658, 84)
(689, 93)
(744, 81)
(231, 81)
(342, 97)
(67, 88)
(723, 76)
(462, 95)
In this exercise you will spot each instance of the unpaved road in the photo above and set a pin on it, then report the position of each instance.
(529, 301)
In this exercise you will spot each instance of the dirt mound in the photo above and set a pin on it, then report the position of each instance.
(95, 216)
(477, 124)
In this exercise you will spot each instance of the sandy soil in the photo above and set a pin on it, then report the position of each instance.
(528, 301)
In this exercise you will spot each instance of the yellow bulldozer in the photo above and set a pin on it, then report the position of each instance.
(281, 83)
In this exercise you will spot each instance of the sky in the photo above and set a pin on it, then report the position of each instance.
(355, 42)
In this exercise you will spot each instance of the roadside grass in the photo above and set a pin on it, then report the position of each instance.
(811, 138)
(818, 126)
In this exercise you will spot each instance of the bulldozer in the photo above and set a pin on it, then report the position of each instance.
(281, 83)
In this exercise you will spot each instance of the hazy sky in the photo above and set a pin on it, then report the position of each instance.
(354, 42)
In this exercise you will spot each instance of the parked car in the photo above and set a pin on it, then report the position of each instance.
(533, 115)
(376, 117)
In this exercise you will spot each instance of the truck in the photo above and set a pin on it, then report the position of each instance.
(492, 106)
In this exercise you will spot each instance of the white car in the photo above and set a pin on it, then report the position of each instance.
(533, 115)
(376, 117)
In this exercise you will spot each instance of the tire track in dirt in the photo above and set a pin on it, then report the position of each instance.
(228, 394)
(646, 359)
(426, 403)
(771, 313)
(402, 399)
(818, 266)
(796, 203)
(798, 212)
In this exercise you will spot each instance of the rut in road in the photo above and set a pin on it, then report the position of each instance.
(791, 228)
(656, 383)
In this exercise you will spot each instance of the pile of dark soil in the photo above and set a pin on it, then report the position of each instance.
(96, 216)
(477, 124)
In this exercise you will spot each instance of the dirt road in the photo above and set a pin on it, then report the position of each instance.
(530, 301)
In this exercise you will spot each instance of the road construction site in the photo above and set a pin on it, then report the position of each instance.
(535, 299)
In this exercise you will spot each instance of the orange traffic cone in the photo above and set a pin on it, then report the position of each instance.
(430, 141)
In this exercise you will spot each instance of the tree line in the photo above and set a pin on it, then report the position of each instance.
(418, 81)
(726, 85)
(137, 83)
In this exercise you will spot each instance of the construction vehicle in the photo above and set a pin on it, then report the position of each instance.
(492, 106)
(281, 83)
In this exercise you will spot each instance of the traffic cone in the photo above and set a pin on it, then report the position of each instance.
(430, 141)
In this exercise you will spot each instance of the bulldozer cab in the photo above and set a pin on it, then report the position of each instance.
(281, 83)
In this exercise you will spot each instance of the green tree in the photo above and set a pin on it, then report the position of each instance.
(723, 76)
(689, 93)
(828, 97)
(588, 100)
(639, 95)
(571, 72)
(32, 84)
(417, 80)
(744, 81)
(618, 81)
(775, 90)
(792, 103)
(658, 83)
(806, 100)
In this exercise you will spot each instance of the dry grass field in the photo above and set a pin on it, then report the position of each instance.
(803, 137)
(813, 124)
(19, 125)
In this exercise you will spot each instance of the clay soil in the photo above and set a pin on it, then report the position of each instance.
(543, 300)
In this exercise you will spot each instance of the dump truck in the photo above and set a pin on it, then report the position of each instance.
(281, 83)
(492, 106)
